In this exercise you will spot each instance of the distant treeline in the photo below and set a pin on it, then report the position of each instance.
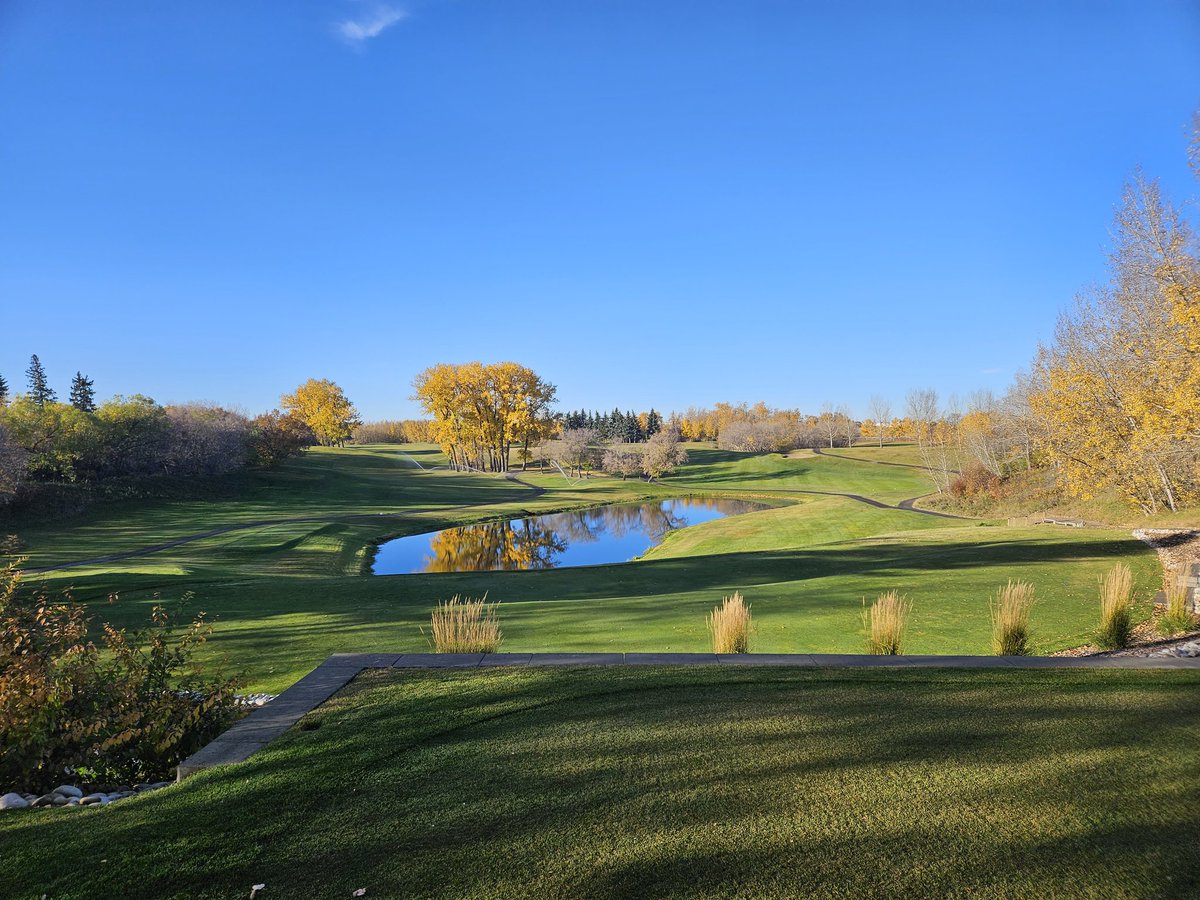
(616, 426)
(761, 429)
(45, 444)
(395, 431)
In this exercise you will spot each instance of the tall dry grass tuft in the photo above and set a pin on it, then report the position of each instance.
(885, 622)
(729, 625)
(1116, 608)
(465, 626)
(1010, 619)
(1178, 618)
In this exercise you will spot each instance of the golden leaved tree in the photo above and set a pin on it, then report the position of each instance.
(1117, 395)
(323, 407)
(481, 412)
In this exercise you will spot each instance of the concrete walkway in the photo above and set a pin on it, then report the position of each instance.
(266, 723)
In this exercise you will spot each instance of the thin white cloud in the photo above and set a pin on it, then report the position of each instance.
(371, 24)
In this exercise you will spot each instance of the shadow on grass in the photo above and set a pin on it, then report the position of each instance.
(670, 783)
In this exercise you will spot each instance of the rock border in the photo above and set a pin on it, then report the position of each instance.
(266, 723)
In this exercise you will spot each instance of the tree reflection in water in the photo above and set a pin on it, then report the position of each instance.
(540, 541)
(494, 546)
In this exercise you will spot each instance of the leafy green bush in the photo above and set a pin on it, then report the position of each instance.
(126, 712)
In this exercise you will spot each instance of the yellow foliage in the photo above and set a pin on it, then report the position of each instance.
(324, 408)
(482, 411)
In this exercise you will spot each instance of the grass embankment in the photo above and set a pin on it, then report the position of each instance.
(632, 782)
(285, 598)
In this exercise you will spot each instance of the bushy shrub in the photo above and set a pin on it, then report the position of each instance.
(885, 622)
(463, 625)
(1010, 619)
(68, 710)
(1116, 608)
(277, 436)
(729, 625)
(977, 481)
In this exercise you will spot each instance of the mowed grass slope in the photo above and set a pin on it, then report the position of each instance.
(804, 471)
(287, 596)
(620, 782)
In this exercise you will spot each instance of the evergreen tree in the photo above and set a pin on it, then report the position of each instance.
(616, 425)
(83, 395)
(653, 423)
(3, 392)
(633, 428)
(40, 391)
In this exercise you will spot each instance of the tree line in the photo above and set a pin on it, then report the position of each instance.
(46, 444)
(627, 427)
(1112, 403)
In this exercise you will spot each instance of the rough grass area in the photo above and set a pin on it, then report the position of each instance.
(627, 782)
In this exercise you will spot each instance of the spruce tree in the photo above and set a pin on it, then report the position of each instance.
(3, 392)
(83, 394)
(653, 423)
(40, 391)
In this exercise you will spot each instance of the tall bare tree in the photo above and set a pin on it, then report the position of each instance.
(880, 411)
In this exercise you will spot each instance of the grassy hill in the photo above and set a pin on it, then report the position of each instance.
(621, 782)
(286, 589)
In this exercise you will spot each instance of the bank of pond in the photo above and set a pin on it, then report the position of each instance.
(587, 537)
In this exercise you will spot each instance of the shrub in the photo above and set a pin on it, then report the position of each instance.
(729, 625)
(976, 480)
(67, 709)
(1010, 619)
(465, 626)
(1116, 608)
(1177, 618)
(885, 622)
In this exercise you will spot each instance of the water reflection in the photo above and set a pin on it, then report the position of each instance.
(604, 534)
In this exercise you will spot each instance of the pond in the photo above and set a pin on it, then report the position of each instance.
(588, 537)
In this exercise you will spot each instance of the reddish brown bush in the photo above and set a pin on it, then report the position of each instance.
(68, 710)
(976, 481)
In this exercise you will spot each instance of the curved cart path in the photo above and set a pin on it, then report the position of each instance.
(534, 491)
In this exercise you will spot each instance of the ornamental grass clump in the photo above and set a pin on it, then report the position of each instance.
(1116, 608)
(463, 625)
(729, 625)
(1177, 618)
(885, 622)
(1010, 619)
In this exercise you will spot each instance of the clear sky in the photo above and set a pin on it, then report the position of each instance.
(650, 203)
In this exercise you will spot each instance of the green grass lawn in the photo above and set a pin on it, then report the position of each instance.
(622, 782)
(285, 596)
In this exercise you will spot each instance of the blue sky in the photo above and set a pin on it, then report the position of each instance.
(652, 204)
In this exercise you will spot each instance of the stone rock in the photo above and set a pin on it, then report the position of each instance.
(90, 799)
(74, 801)
(13, 801)
(45, 800)
(60, 800)
(68, 791)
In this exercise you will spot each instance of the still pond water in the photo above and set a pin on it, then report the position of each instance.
(605, 534)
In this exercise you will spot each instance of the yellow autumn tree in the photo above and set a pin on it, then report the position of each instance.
(1117, 395)
(323, 407)
(481, 412)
